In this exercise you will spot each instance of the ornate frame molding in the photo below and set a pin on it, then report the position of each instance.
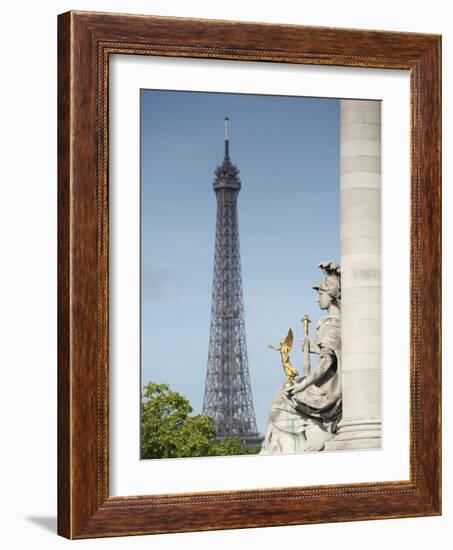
(85, 41)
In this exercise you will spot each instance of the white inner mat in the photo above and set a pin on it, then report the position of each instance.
(128, 474)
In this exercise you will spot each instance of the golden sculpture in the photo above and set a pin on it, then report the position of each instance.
(284, 349)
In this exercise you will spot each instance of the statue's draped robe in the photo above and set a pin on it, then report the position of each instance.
(305, 421)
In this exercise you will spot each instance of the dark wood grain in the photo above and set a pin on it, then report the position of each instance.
(64, 369)
(85, 42)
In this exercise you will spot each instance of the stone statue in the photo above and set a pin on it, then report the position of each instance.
(304, 415)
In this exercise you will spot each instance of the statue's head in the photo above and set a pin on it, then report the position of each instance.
(329, 288)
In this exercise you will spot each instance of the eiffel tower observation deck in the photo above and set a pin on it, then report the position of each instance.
(228, 394)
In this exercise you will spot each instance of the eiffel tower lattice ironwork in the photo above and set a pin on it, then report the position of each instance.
(228, 394)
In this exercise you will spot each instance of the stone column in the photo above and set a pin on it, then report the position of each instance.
(360, 195)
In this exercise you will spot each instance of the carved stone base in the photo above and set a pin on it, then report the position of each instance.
(356, 434)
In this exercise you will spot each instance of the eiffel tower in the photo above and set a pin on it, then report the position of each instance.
(228, 394)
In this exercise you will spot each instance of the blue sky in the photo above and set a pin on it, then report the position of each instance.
(287, 151)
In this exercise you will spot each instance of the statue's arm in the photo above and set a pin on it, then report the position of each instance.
(312, 345)
(327, 360)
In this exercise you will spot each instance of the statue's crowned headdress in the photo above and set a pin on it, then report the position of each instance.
(332, 282)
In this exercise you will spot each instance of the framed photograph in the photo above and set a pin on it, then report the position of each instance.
(249, 275)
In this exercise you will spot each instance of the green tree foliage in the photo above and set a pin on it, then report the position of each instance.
(168, 430)
(232, 446)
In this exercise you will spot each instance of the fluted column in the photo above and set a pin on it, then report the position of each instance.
(360, 192)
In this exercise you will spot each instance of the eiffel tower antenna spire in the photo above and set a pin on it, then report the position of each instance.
(227, 140)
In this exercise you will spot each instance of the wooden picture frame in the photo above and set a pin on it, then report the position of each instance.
(85, 42)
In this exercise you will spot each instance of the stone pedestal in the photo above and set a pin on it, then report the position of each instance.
(360, 168)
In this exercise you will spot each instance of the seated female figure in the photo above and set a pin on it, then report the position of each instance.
(304, 416)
